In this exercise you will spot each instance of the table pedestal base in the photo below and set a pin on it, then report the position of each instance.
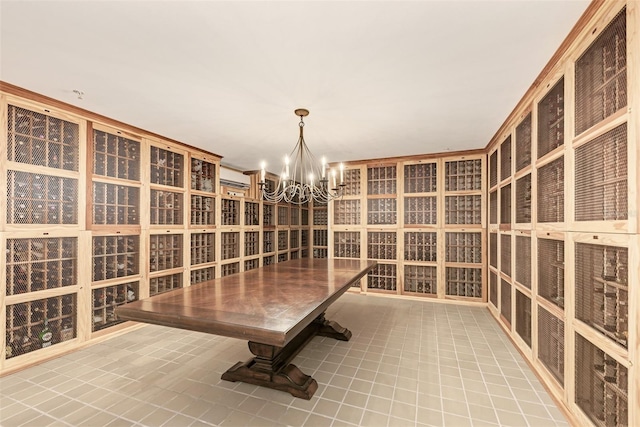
(271, 367)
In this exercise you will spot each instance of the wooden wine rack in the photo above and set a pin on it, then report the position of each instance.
(346, 244)
(35, 264)
(252, 243)
(39, 139)
(167, 167)
(25, 321)
(575, 230)
(35, 198)
(165, 252)
(115, 256)
(203, 248)
(105, 301)
(161, 284)
(115, 156)
(230, 245)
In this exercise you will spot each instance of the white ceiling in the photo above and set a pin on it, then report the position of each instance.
(380, 78)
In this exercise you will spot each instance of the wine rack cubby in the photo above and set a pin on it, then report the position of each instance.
(304, 238)
(251, 264)
(105, 301)
(493, 289)
(381, 245)
(551, 192)
(230, 212)
(382, 211)
(268, 218)
(203, 248)
(421, 279)
(294, 239)
(505, 159)
(463, 210)
(505, 205)
(493, 250)
(420, 246)
(320, 216)
(35, 264)
(421, 178)
(382, 277)
(493, 207)
(283, 240)
(283, 257)
(304, 217)
(381, 180)
(166, 208)
(115, 256)
(493, 169)
(39, 139)
(523, 200)
(251, 213)
(203, 275)
(115, 204)
(203, 210)
(295, 215)
(523, 143)
(346, 212)
(551, 120)
(158, 285)
(420, 210)
(230, 245)
(283, 215)
(602, 385)
(268, 244)
(268, 260)
(462, 247)
(601, 75)
(523, 261)
(551, 270)
(320, 237)
(505, 301)
(351, 182)
(505, 254)
(115, 156)
(346, 244)
(34, 198)
(203, 175)
(602, 290)
(463, 282)
(551, 343)
(165, 252)
(523, 317)
(601, 177)
(167, 167)
(252, 243)
(33, 325)
(462, 175)
(320, 253)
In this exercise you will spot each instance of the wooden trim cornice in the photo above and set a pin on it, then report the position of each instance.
(413, 157)
(14, 90)
(562, 50)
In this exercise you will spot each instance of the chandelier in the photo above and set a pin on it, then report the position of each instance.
(303, 178)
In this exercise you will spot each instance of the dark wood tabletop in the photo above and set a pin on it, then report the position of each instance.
(269, 305)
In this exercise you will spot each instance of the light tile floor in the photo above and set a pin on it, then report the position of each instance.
(408, 363)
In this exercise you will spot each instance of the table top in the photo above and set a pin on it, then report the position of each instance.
(269, 305)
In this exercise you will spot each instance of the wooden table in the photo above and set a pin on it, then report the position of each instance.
(278, 309)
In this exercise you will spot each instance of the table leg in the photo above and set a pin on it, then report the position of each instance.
(271, 368)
